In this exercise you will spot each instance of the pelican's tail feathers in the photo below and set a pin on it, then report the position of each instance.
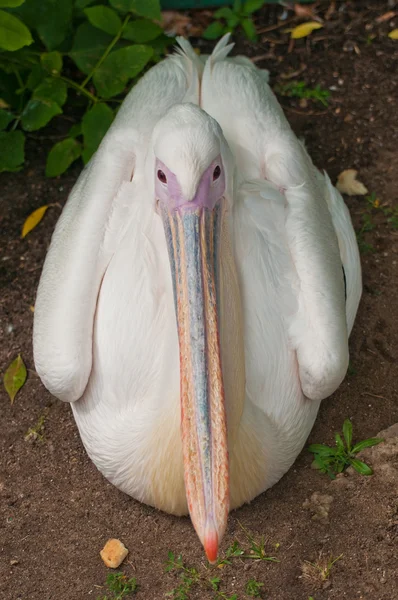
(221, 50)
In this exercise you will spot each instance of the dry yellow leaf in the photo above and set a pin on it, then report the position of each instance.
(347, 183)
(393, 34)
(304, 29)
(34, 219)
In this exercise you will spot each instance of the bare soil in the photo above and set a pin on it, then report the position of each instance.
(57, 511)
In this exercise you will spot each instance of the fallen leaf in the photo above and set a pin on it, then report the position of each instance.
(304, 11)
(347, 183)
(14, 377)
(393, 34)
(34, 219)
(174, 23)
(304, 29)
(386, 17)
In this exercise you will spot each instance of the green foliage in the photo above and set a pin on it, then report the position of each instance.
(56, 55)
(229, 19)
(189, 577)
(374, 207)
(335, 460)
(253, 588)
(299, 89)
(119, 586)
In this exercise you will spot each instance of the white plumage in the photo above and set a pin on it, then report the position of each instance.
(105, 335)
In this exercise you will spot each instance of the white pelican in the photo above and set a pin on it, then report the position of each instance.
(199, 206)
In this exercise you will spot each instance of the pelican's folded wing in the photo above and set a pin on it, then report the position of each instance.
(265, 148)
(92, 223)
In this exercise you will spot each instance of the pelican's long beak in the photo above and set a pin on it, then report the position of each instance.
(193, 239)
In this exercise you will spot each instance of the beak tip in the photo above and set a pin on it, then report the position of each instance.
(211, 545)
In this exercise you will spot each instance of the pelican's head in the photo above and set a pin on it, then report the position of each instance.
(190, 183)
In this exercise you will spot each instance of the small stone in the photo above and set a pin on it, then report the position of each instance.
(14, 561)
(113, 553)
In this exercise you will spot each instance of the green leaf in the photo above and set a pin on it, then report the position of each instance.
(322, 450)
(144, 8)
(51, 19)
(11, 3)
(141, 31)
(38, 113)
(61, 156)
(104, 18)
(237, 6)
(52, 88)
(339, 442)
(214, 31)
(15, 376)
(347, 432)
(51, 62)
(223, 13)
(13, 33)
(95, 124)
(88, 46)
(366, 444)
(5, 118)
(120, 66)
(83, 3)
(249, 29)
(361, 467)
(75, 130)
(35, 77)
(12, 150)
(250, 6)
(8, 87)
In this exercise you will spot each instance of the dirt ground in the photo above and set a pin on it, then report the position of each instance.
(57, 511)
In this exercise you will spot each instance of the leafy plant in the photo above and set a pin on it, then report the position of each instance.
(336, 460)
(374, 206)
(233, 551)
(119, 586)
(80, 54)
(230, 19)
(257, 548)
(253, 588)
(189, 577)
(299, 89)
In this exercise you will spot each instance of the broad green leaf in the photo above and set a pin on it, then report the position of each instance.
(52, 88)
(393, 34)
(75, 130)
(12, 150)
(141, 31)
(361, 467)
(347, 432)
(61, 156)
(51, 62)
(120, 66)
(34, 219)
(5, 118)
(237, 6)
(51, 19)
(13, 33)
(37, 113)
(144, 8)
(223, 13)
(104, 18)
(366, 444)
(250, 6)
(10, 3)
(35, 77)
(304, 29)
(95, 124)
(88, 46)
(322, 450)
(339, 442)
(14, 377)
(214, 31)
(249, 29)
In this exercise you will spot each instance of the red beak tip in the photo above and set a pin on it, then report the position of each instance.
(211, 546)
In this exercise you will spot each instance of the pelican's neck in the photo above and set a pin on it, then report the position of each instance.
(231, 334)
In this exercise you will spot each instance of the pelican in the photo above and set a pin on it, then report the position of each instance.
(198, 293)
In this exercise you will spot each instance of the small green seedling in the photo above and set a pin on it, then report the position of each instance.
(119, 586)
(229, 19)
(336, 460)
(189, 577)
(319, 571)
(234, 551)
(253, 588)
(299, 89)
(257, 549)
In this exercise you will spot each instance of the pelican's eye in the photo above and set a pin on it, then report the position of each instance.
(216, 173)
(162, 177)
